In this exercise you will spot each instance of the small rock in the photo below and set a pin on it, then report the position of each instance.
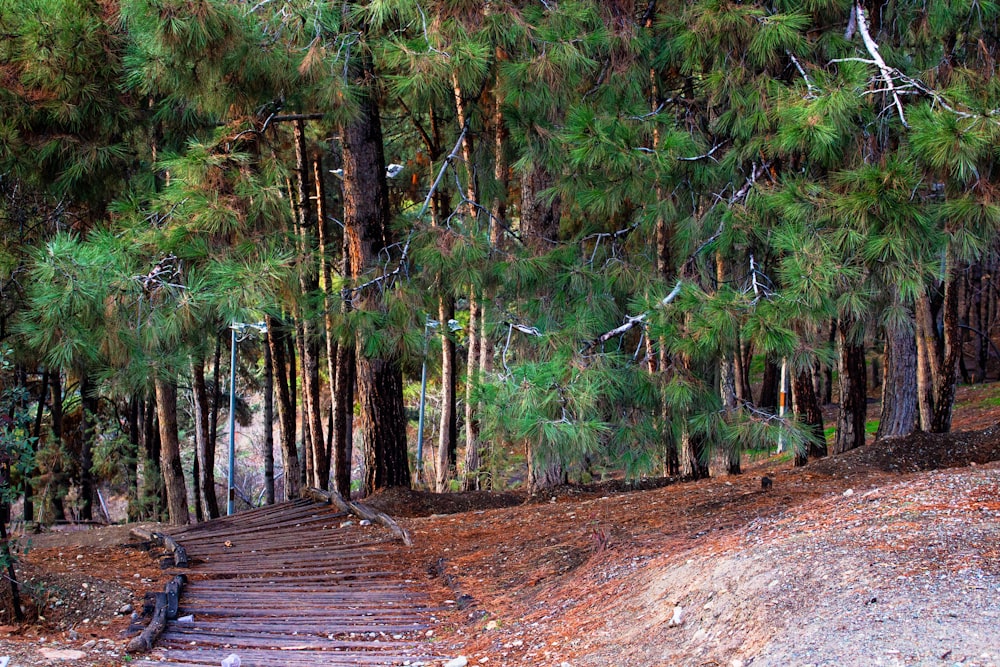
(125, 609)
(89, 644)
(700, 636)
(849, 492)
(736, 663)
(73, 635)
(62, 653)
(186, 619)
(79, 557)
(232, 660)
(677, 618)
(492, 625)
(345, 524)
(460, 661)
(365, 522)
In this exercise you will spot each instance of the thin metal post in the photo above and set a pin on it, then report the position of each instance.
(420, 419)
(231, 506)
(782, 399)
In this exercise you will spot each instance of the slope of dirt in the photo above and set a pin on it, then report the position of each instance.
(848, 561)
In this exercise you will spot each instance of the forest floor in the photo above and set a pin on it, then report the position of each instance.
(888, 555)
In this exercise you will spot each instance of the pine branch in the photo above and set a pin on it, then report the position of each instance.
(632, 321)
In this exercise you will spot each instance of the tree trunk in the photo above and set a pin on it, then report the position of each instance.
(343, 419)
(204, 451)
(944, 394)
(768, 398)
(213, 418)
(853, 391)
(310, 339)
(448, 435)
(473, 447)
(134, 442)
(170, 452)
(326, 275)
(268, 425)
(88, 434)
(807, 410)
(152, 479)
(286, 409)
(29, 504)
(925, 363)
(366, 226)
(899, 413)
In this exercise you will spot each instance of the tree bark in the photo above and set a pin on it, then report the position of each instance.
(29, 504)
(853, 391)
(286, 409)
(899, 413)
(473, 447)
(944, 394)
(807, 410)
(309, 284)
(768, 396)
(925, 363)
(448, 433)
(268, 425)
(170, 452)
(204, 449)
(88, 433)
(366, 226)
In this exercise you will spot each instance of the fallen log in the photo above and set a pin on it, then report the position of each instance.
(359, 510)
(164, 610)
(170, 545)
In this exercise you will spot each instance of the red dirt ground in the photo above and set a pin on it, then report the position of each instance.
(592, 576)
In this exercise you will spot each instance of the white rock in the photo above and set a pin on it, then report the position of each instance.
(677, 618)
(186, 619)
(460, 661)
(62, 654)
(849, 492)
(365, 522)
(736, 663)
(492, 625)
(232, 660)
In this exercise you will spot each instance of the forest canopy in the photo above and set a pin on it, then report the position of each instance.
(603, 234)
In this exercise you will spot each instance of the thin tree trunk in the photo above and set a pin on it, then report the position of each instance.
(343, 419)
(309, 341)
(134, 442)
(326, 275)
(213, 419)
(204, 452)
(925, 363)
(29, 504)
(944, 394)
(88, 434)
(473, 447)
(899, 412)
(170, 452)
(268, 425)
(286, 410)
(448, 435)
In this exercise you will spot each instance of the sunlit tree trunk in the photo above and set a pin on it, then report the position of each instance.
(204, 450)
(899, 412)
(286, 409)
(170, 452)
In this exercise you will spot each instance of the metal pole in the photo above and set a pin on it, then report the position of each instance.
(420, 420)
(782, 398)
(230, 508)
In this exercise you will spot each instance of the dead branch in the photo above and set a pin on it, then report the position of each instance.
(886, 71)
(357, 509)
